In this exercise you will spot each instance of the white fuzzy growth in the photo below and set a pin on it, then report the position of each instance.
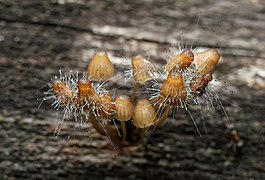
(209, 98)
(70, 107)
(189, 75)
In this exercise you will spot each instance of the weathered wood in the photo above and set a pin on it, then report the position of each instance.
(37, 38)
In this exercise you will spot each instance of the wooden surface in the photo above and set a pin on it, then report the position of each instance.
(37, 38)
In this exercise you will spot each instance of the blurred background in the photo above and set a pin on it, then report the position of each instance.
(38, 38)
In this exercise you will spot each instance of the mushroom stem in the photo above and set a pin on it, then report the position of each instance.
(163, 117)
(108, 131)
(105, 131)
(154, 102)
(142, 134)
(135, 89)
(95, 124)
(124, 132)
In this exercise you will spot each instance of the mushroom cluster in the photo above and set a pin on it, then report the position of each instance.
(186, 76)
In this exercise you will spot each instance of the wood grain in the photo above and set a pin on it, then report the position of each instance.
(37, 38)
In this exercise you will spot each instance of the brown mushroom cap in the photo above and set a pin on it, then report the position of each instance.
(142, 69)
(144, 114)
(100, 67)
(63, 92)
(86, 93)
(124, 108)
(173, 90)
(206, 61)
(180, 62)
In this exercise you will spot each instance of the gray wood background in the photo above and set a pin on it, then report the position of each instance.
(37, 38)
